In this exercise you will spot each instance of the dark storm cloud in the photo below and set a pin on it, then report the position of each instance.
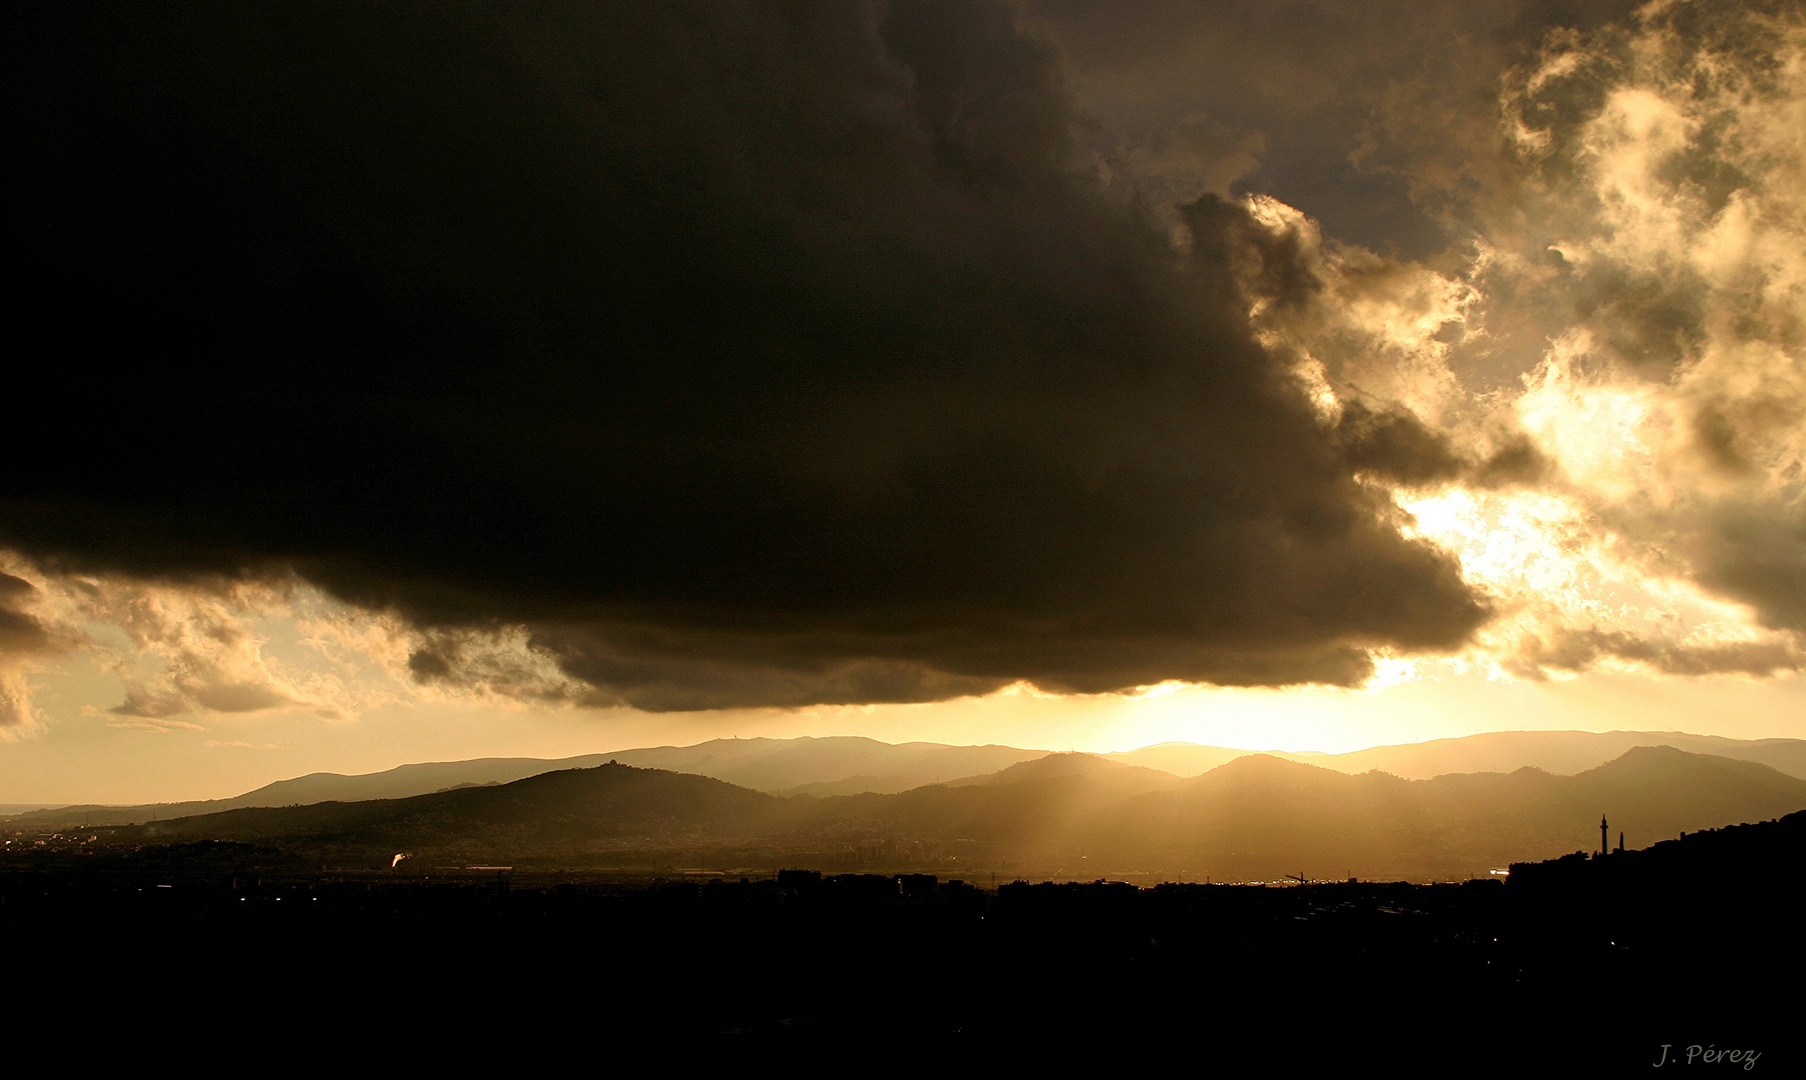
(23, 638)
(1395, 445)
(746, 354)
(1516, 461)
(1578, 650)
(19, 631)
(1757, 554)
(1380, 120)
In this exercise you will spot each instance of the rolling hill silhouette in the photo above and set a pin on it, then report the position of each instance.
(1112, 776)
(830, 766)
(1561, 752)
(850, 765)
(1258, 812)
(812, 765)
(1257, 817)
(568, 811)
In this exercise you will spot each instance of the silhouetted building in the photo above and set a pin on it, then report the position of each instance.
(864, 886)
(798, 879)
(917, 884)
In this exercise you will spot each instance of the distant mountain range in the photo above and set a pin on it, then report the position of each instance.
(1560, 752)
(1257, 812)
(1066, 815)
(840, 765)
(850, 765)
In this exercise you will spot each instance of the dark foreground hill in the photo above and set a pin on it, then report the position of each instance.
(1582, 966)
(1256, 818)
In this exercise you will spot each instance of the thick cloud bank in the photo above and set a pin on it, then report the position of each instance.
(743, 354)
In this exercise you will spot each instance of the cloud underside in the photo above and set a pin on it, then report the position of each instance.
(746, 356)
(726, 355)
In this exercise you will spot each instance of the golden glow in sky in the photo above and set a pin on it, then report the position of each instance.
(1604, 370)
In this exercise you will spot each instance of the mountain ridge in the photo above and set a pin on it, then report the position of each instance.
(1560, 752)
(1254, 818)
(850, 765)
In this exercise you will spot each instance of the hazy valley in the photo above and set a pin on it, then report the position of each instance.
(1059, 816)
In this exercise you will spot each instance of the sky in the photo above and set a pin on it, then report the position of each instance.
(419, 382)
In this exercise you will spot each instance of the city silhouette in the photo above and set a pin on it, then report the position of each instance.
(641, 904)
